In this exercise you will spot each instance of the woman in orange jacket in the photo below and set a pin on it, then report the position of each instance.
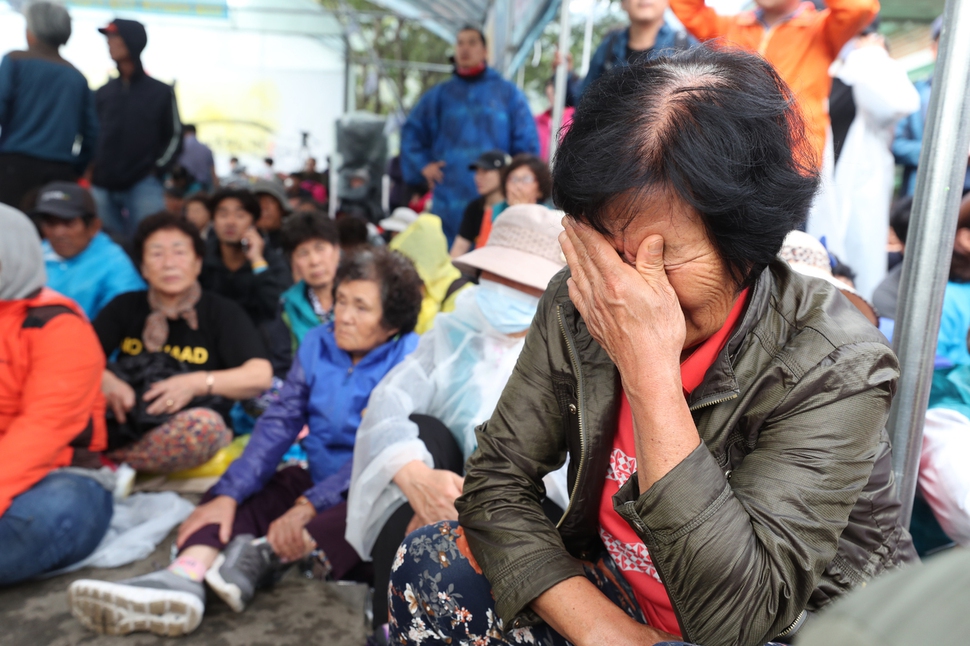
(800, 42)
(51, 413)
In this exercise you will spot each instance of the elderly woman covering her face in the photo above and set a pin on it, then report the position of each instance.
(723, 416)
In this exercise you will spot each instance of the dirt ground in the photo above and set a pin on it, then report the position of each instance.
(297, 611)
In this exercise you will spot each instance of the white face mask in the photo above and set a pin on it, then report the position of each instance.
(507, 309)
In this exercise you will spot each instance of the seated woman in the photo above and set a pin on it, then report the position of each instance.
(723, 416)
(420, 423)
(294, 512)
(425, 244)
(526, 180)
(51, 414)
(312, 246)
(217, 347)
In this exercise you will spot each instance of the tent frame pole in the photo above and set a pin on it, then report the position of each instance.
(932, 229)
(562, 71)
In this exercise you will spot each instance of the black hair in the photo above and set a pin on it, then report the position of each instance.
(352, 231)
(188, 127)
(899, 216)
(398, 279)
(538, 167)
(302, 227)
(249, 202)
(481, 34)
(164, 221)
(716, 127)
(199, 196)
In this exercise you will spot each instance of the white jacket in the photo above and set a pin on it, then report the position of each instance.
(456, 374)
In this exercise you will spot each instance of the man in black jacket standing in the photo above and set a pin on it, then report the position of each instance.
(140, 134)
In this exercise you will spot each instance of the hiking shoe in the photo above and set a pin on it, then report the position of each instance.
(245, 565)
(160, 602)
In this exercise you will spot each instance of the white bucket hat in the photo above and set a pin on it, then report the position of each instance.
(523, 246)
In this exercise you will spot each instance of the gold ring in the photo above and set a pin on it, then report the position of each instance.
(169, 402)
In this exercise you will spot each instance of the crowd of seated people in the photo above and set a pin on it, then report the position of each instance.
(643, 419)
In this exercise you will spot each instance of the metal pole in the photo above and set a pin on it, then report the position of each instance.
(588, 39)
(939, 183)
(559, 103)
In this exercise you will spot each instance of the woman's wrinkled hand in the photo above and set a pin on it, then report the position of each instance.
(220, 511)
(287, 535)
(431, 492)
(173, 394)
(633, 312)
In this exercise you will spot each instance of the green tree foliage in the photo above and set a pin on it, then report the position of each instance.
(388, 37)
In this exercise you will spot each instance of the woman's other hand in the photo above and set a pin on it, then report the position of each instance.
(119, 395)
(220, 511)
(287, 536)
(173, 394)
(431, 492)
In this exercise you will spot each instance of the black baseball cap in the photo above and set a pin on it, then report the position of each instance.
(131, 31)
(65, 200)
(491, 160)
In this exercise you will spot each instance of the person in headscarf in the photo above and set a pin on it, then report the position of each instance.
(51, 415)
(425, 244)
(219, 352)
(46, 109)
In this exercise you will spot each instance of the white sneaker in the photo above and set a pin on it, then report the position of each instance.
(162, 603)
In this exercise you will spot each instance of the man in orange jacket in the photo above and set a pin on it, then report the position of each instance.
(798, 40)
(51, 407)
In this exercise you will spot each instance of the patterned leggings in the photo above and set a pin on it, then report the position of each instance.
(189, 438)
(438, 595)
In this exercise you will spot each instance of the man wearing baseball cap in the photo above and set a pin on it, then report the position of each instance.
(488, 182)
(82, 263)
(140, 134)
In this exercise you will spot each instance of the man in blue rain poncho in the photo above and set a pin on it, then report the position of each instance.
(456, 121)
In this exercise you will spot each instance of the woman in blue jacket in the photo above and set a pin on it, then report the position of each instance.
(294, 512)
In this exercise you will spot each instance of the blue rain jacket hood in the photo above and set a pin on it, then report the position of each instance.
(455, 122)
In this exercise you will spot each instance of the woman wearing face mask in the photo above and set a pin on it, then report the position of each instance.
(421, 419)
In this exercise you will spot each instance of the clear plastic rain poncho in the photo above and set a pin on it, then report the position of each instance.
(456, 374)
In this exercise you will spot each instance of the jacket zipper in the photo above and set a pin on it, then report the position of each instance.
(705, 404)
(579, 417)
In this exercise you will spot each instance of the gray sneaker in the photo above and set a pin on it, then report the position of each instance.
(160, 602)
(245, 565)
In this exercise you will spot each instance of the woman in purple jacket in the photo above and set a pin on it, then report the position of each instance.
(256, 519)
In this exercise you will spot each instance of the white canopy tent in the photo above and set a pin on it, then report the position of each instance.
(267, 77)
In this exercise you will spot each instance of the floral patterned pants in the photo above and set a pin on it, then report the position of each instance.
(189, 438)
(438, 594)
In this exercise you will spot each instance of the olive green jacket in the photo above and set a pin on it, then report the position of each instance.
(788, 502)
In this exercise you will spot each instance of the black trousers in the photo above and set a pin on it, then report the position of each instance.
(447, 455)
(22, 176)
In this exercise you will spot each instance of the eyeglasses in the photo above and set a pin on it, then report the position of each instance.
(522, 179)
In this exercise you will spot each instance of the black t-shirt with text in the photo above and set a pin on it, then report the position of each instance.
(226, 338)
